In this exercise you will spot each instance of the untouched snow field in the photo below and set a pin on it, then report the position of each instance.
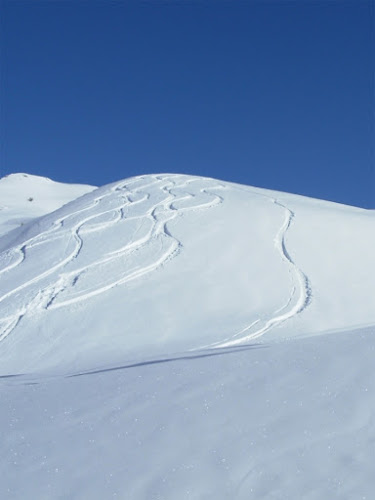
(174, 337)
(24, 197)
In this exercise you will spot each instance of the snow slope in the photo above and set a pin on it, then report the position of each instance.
(24, 197)
(166, 337)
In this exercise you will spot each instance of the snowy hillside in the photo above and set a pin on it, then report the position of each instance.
(24, 197)
(176, 337)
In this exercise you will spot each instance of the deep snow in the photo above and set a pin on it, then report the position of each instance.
(169, 336)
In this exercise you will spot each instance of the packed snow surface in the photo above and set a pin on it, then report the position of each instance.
(177, 337)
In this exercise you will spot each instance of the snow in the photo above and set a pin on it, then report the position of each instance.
(24, 197)
(170, 336)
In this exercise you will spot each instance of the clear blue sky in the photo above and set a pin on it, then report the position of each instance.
(272, 94)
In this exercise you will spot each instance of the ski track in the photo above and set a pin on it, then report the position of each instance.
(131, 193)
(299, 299)
(134, 192)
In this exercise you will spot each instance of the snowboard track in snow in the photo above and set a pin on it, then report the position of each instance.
(63, 283)
(299, 298)
(72, 279)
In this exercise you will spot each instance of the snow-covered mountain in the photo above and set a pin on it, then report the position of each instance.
(177, 337)
(25, 197)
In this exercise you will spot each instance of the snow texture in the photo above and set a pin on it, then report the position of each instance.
(170, 336)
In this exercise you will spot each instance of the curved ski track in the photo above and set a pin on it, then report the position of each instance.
(58, 286)
(299, 299)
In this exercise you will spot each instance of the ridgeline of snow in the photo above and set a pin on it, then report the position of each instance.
(165, 337)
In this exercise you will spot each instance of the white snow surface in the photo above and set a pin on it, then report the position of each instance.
(24, 197)
(176, 337)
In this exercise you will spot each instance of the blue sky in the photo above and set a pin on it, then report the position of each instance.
(272, 94)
